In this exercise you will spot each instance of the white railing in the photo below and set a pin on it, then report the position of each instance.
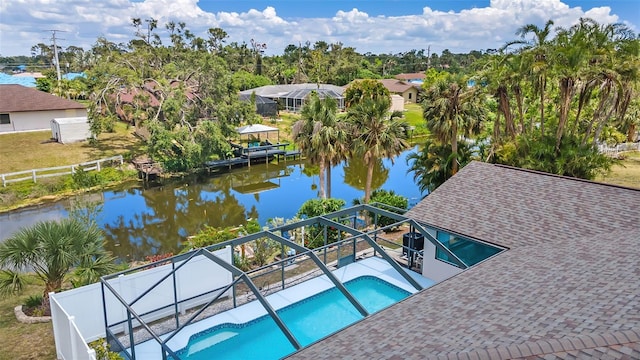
(615, 150)
(70, 343)
(34, 174)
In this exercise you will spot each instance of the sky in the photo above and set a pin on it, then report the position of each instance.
(376, 26)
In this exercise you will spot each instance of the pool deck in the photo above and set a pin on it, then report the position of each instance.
(368, 267)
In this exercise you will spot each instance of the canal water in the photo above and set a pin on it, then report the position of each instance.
(141, 221)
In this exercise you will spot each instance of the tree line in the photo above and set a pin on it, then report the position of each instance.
(542, 101)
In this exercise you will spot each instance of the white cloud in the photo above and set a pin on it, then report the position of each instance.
(23, 24)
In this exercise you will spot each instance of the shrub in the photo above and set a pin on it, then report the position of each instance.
(389, 197)
(33, 301)
(103, 352)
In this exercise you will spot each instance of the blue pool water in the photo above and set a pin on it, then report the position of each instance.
(309, 320)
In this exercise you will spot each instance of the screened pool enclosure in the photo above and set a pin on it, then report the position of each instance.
(156, 302)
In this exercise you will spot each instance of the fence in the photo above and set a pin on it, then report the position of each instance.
(614, 151)
(86, 306)
(34, 174)
(69, 342)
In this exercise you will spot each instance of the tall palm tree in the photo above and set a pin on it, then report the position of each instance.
(451, 109)
(569, 60)
(51, 249)
(320, 136)
(375, 135)
(538, 49)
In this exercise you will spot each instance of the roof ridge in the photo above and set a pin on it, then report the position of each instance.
(538, 172)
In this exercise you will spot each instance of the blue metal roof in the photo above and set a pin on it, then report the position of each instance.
(27, 81)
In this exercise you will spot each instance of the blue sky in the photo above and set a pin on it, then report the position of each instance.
(626, 9)
(377, 26)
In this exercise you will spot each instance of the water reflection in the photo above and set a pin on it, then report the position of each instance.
(355, 168)
(143, 221)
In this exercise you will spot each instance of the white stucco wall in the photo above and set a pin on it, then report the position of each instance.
(414, 95)
(432, 268)
(38, 120)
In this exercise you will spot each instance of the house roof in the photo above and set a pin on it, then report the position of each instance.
(281, 91)
(566, 287)
(396, 86)
(410, 76)
(6, 79)
(258, 99)
(18, 98)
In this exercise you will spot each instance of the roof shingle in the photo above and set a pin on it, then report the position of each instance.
(567, 287)
(17, 98)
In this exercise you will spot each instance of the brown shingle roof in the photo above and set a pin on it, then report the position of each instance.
(396, 86)
(567, 287)
(17, 98)
(410, 76)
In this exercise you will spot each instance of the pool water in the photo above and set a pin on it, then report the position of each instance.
(309, 320)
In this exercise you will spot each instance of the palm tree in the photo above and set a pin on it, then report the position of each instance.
(51, 249)
(569, 59)
(375, 135)
(538, 47)
(451, 109)
(320, 136)
(433, 165)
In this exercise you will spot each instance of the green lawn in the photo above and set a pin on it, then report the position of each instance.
(33, 150)
(627, 173)
(24, 341)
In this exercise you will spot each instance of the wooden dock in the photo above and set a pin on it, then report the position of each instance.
(147, 169)
(254, 154)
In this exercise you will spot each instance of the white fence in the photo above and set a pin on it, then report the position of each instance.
(614, 151)
(84, 305)
(34, 174)
(69, 342)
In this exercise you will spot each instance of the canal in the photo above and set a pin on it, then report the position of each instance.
(141, 221)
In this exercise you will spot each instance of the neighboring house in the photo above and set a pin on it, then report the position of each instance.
(26, 109)
(414, 78)
(264, 106)
(292, 96)
(407, 90)
(567, 287)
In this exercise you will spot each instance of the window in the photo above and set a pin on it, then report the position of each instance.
(469, 251)
(410, 96)
(4, 119)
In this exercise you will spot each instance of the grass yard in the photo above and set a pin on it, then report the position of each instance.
(24, 341)
(33, 150)
(625, 174)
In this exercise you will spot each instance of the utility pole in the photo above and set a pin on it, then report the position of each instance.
(428, 57)
(55, 53)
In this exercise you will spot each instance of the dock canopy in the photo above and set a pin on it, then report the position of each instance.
(257, 129)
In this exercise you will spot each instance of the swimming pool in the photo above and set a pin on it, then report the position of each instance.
(309, 320)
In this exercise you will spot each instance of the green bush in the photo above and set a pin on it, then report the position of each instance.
(33, 301)
(84, 179)
(103, 352)
(316, 207)
(389, 197)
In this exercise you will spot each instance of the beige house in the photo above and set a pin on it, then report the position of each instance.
(27, 109)
(407, 90)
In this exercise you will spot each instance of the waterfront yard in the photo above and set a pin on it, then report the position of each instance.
(33, 150)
